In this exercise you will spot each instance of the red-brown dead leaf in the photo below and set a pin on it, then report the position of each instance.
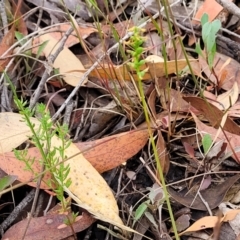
(104, 154)
(13, 166)
(210, 7)
(47, 227)
(189, 149)
(108, 153)
(5, 44)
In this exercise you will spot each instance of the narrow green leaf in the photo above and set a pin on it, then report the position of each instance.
(206, 142)
(41, 48)
(6, 181)
(199, 50)
(19, 36)
(206, 30)
(140, 211)
(216, 25)
(204, 19)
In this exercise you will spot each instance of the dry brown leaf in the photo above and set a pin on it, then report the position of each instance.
(178, 104)
(213, 114)
(162, 153)
(68, 64)
(228, 98)
(225, 100)
(203, 223)
(11, 165)
(211, 221)
(230, 215)
(230, 71)
(123, 72)
(213, 195)
(161, 145)
(58, 31)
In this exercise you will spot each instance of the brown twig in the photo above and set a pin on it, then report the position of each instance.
(16, 211)
(230, 6)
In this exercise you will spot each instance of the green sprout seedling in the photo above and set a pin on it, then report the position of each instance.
(209, 33)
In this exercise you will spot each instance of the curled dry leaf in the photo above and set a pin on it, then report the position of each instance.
(155, 69)
(211, 221)
(226, 100)
(68, 64)
(58, 31)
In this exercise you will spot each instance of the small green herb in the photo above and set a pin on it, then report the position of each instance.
(209, 33)
(42, 138)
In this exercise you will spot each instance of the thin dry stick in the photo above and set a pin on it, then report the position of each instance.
(231, 7)
(8, 221)
(35, 200)
(4, 17)
(48, 69)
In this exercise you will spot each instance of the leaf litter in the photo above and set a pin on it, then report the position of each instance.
(106, 119)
